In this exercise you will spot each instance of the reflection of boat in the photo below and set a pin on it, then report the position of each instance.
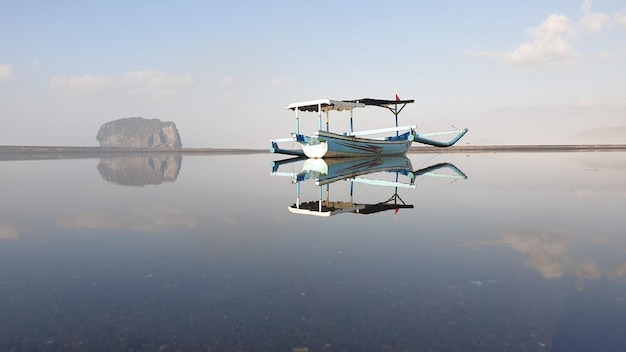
(326, 144)
(395, 171)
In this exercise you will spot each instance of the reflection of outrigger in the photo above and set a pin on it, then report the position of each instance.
(378, 142)
(325, 172)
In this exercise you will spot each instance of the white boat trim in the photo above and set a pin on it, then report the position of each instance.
(282, 140)
(384, 183)
(440, 133)
(440, 175)
(320, 212)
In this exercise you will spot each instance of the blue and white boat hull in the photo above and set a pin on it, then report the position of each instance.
(333, 145)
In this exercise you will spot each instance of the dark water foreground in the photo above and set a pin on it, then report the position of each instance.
(196, 253)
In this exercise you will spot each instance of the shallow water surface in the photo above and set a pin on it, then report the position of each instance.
(480, 252)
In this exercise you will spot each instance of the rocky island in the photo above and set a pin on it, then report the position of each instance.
(137, 132)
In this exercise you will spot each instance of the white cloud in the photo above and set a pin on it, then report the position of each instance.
(154, 85)
(552, 40)
(586, 193)
(545, 248)
(619, 270)
(228, 81)
(150, 218)
(550, 45)
(620, 19)
(84, 84)
(605, 55)
(592, 103)
(148, 85)
(226, 86)
(230, 220)
(587, 103)
(6, 71)
(593, 22)
(480, 52)
(8, 232)
(279, 82)
(553, 253)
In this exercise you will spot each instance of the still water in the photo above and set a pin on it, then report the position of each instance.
(480, 252)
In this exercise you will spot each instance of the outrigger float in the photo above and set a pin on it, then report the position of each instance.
(326, 144)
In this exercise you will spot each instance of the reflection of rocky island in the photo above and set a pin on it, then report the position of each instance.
(140, 169)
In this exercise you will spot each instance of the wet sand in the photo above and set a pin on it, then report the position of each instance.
(55, 152)
(548, 148)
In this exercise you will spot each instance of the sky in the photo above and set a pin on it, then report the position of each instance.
(531, 72)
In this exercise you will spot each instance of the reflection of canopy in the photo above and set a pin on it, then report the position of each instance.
(386, 205)
(324, 208)
(328, 208)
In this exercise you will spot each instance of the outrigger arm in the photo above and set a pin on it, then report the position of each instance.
(274, 148)
(431, 171)
(421, 138)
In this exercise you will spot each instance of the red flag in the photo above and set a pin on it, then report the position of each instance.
(397, 97)
(397, 210)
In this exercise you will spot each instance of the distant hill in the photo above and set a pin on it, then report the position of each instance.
(605, 135)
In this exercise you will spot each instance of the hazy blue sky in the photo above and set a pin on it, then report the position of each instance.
(512, 72)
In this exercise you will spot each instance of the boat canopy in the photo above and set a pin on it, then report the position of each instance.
(326, 105)
(380, 102)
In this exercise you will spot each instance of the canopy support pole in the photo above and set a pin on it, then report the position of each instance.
(327, 123)
(396, 113)
(351, 124)
(298, 195)
(319, 117)
(320, 197)
(297, 121)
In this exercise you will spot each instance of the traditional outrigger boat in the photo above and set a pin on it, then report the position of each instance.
(326, 144)
(360, 170)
